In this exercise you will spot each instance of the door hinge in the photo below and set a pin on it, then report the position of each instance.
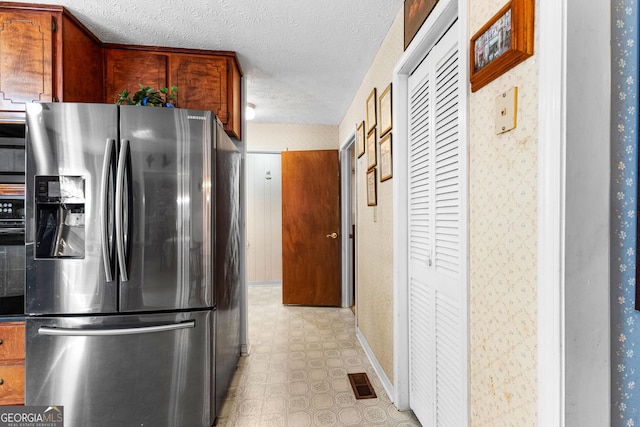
(54, 26)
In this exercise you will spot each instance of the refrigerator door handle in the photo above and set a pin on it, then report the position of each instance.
(78, 332)
(104, 197)
(122, 163)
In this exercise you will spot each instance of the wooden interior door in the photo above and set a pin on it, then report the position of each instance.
(310, 228)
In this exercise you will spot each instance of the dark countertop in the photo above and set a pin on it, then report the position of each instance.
(9, 318)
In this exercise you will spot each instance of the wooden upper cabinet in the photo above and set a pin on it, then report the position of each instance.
(81, 68)
(126, 69)
(46, 55)
(26, 59)
(202, 83)
(206, 80)
(209, 82)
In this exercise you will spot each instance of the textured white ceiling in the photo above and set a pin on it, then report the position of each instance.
(303, 60)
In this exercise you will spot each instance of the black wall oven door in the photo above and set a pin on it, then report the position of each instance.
(12, 219)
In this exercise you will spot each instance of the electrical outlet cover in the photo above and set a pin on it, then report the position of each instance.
(506, 110)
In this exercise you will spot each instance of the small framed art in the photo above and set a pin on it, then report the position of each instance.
(385, 111)
(502, 43)
(386, 158)
(360, 139)
(371, 110)
(372, 158)
(372, 188)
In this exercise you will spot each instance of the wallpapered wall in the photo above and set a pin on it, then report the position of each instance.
(374, 300)
(291, 137)
(625, 393)
(503, 247)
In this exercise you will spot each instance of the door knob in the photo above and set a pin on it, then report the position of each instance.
(332, 235)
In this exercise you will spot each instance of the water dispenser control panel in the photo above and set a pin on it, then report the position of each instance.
(60, 216)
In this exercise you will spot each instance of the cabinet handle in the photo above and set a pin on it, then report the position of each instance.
(1, 381)
(0, 341)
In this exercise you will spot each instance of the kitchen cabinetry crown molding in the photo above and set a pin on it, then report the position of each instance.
(180, 50)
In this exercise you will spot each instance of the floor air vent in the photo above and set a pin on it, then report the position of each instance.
(361, 386)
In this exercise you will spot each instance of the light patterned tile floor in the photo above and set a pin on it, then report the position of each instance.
(296, 372)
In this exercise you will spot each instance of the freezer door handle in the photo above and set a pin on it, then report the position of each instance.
(120, 200)
(78, 332)
(104, 197)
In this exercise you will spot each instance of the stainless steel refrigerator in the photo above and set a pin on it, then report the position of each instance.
(120, 246)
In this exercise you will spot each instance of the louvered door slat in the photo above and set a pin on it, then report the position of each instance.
(421, 327)
(448, 384)
(419, 182)
(446, 167)
(447, 243)
(421, 295)
(447, 136)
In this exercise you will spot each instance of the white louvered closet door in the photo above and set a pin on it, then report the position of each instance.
(436, 286)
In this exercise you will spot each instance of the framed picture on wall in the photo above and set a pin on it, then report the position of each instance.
(371, 110)
(385, 157)
(372, 159)
(385, 111)
(372, 196)
(502, 43)
(360, 139)
(415, 13)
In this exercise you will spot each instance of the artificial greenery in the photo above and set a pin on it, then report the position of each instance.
(150, 97)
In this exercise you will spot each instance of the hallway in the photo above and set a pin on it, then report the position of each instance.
(296, 373)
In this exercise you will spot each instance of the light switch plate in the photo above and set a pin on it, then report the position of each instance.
(506, 110)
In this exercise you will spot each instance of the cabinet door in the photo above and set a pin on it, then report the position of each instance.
(202, 83)
(26, 59)
(12, 384)
(82, 65)
(234, 126)
(11, 340)
(126, 69)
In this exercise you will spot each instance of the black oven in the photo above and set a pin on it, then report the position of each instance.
(12, 159)
(12, 218)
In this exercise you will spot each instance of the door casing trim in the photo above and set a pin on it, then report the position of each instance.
(346, 198)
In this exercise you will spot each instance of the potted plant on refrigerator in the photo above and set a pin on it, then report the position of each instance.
(164, 97)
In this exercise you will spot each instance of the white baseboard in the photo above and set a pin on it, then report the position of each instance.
(266, 283)
(245, 349)
(388, 387)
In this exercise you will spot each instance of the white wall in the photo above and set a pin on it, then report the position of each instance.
(587, 327)
(264, 217)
